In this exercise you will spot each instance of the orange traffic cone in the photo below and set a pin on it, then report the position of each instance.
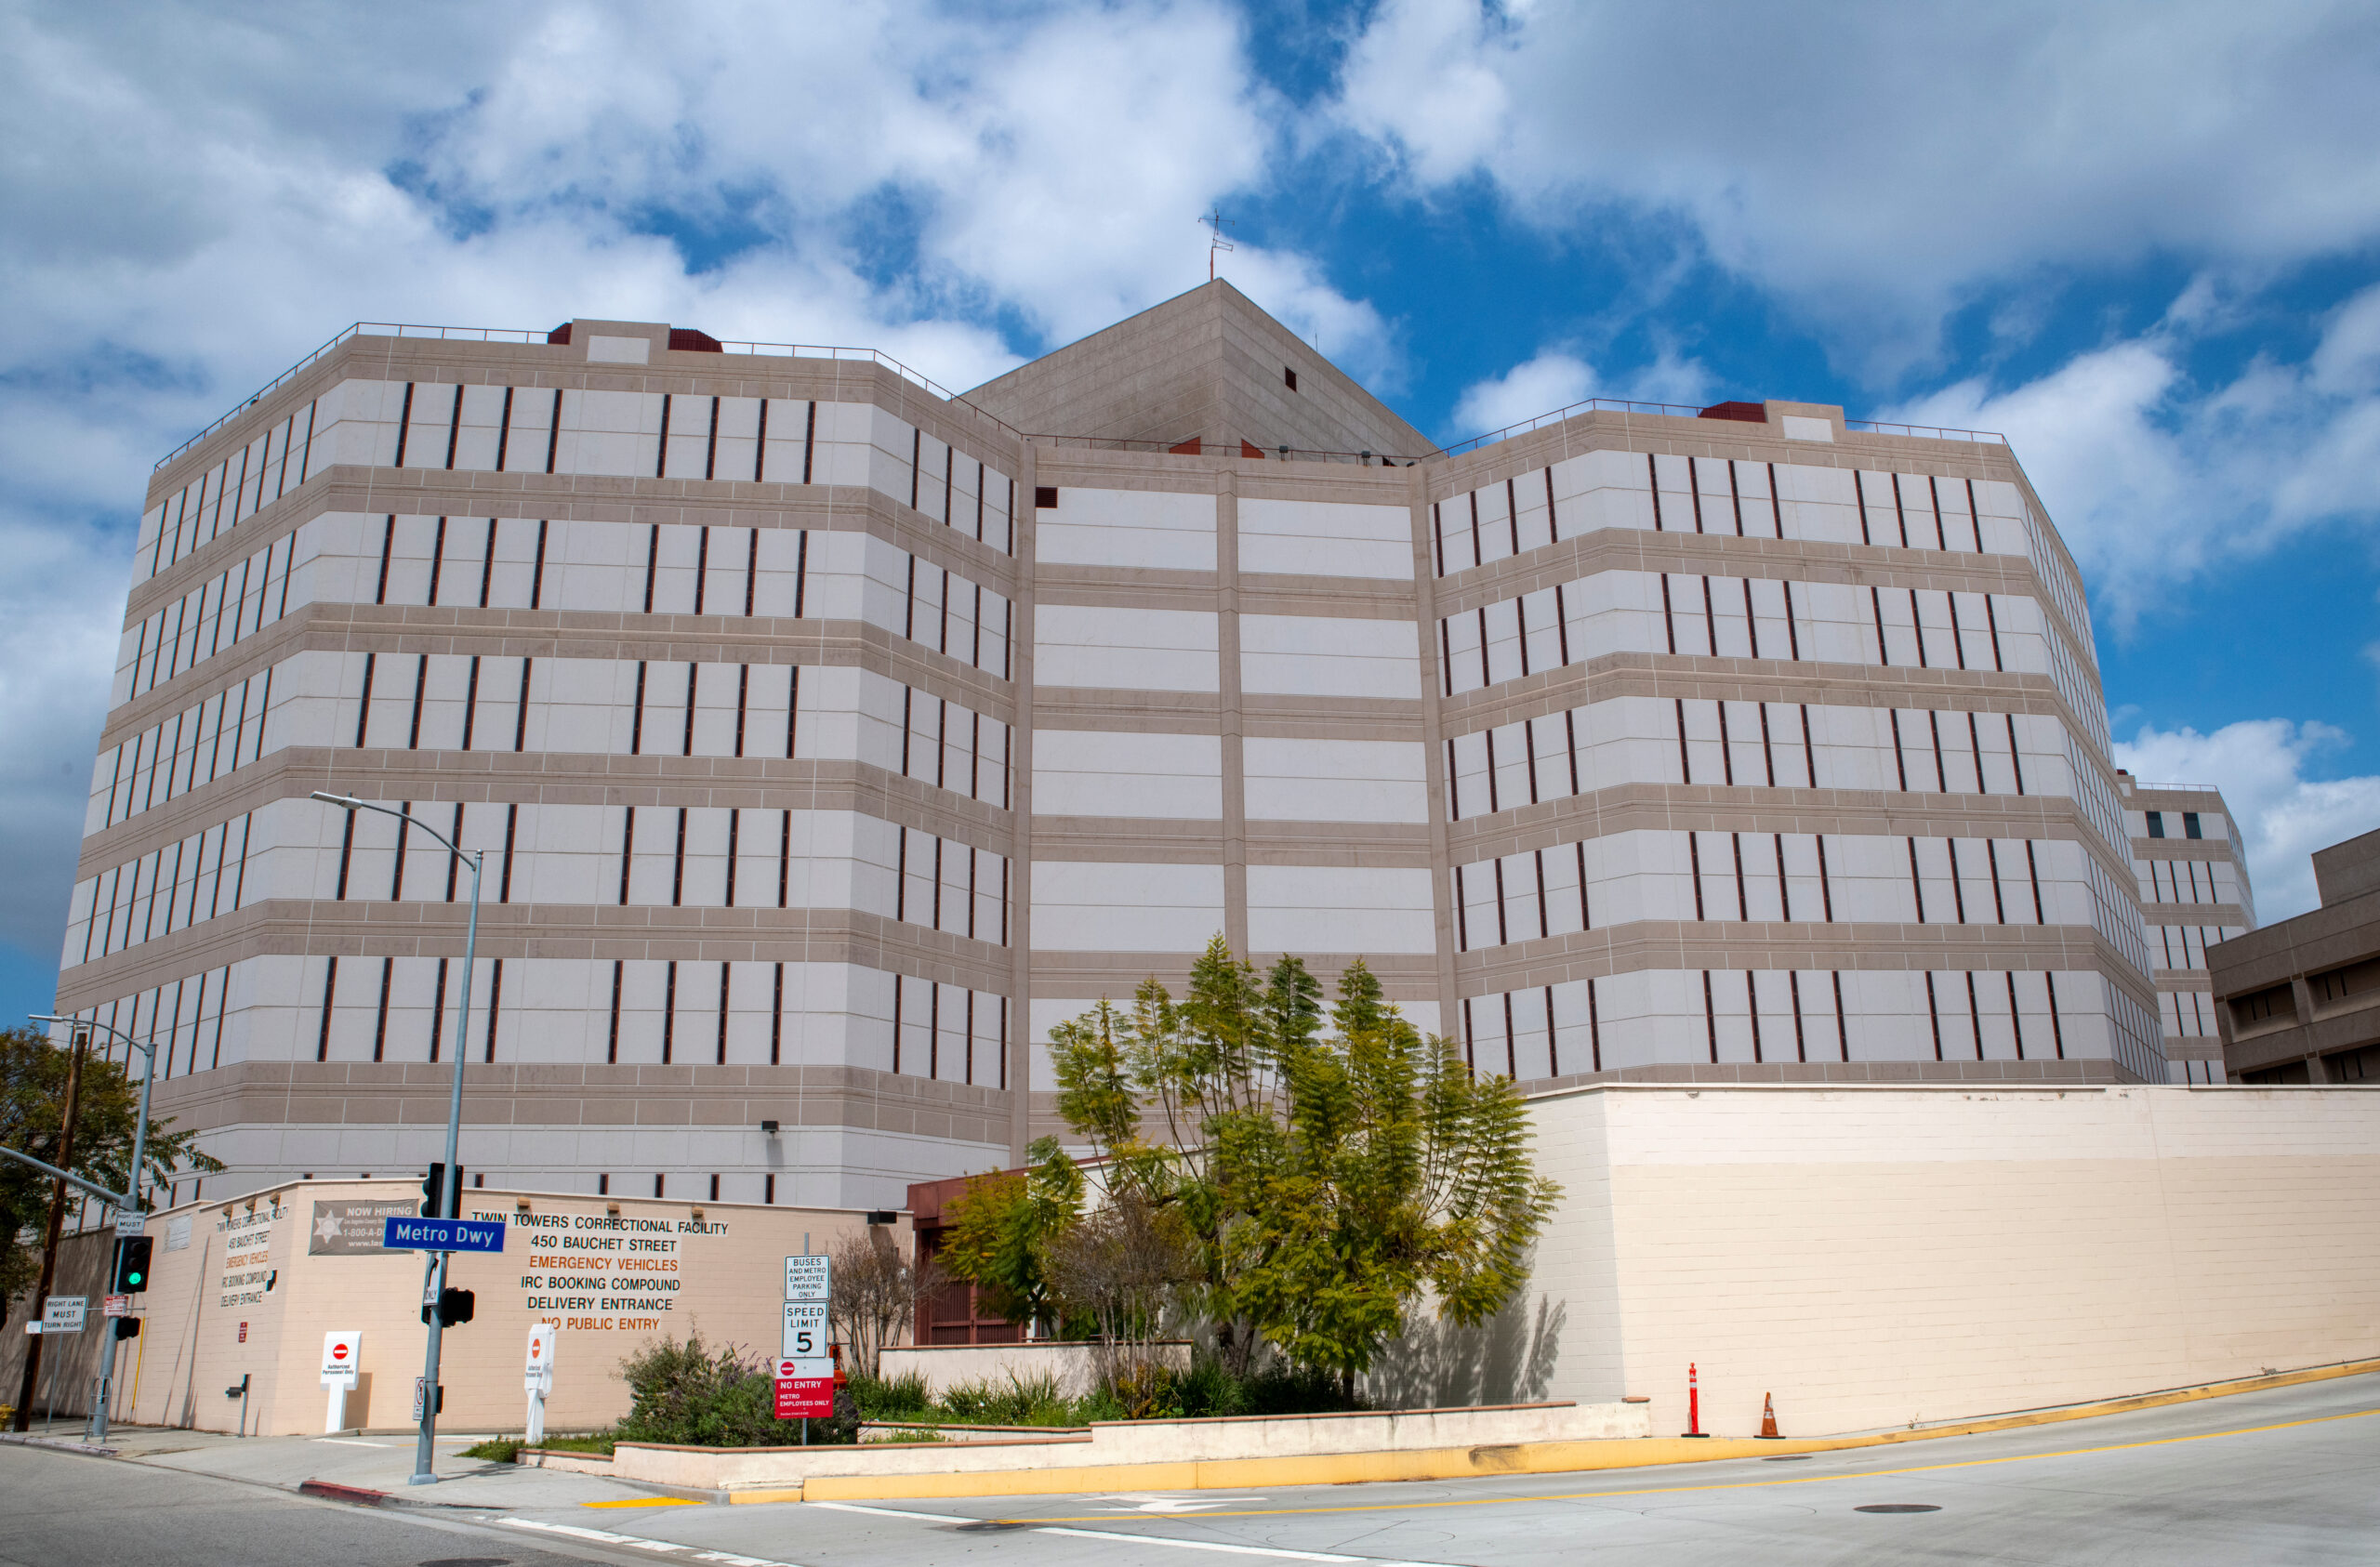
(1768, 1417)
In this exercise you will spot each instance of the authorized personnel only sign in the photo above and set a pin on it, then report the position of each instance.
(342, 1358)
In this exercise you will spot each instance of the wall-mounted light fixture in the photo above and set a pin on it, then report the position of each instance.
(769, 1128)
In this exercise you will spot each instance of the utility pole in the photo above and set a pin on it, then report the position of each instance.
(57, 1222)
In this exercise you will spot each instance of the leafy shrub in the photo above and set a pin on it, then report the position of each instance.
(891, 1398)
(1033, 1400)
(1283, 1388)
(691, 1394)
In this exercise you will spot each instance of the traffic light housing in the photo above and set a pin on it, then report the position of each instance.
(132, 1264)
(454, 1308)
(433, 1191)
(128, 1327)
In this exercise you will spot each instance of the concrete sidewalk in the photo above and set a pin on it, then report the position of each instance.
(361, 1464)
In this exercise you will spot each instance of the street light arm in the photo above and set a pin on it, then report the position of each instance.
(146, 1046)
(102, 1193)
(346, 803)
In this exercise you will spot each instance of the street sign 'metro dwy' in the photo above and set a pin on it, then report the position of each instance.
(407, 1234)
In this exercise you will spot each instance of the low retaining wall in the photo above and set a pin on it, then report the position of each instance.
(1136, 1449)
(1069, 1361)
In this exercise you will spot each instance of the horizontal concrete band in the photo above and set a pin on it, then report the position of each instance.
(1621, 949)
(555, 778)
(595, 1098)
(408, 630)
(1638, 550)
(635, 933)
(1706, 677)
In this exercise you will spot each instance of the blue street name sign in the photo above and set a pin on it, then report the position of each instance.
(442, 1234)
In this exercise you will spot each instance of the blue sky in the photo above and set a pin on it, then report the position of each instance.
(2142, 239)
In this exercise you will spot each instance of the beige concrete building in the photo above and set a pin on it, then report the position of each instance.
(2299, 1001)
(2194, 894)
(829, 737)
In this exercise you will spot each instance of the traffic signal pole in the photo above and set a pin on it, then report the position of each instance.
(56, 1221)
(128, 1203)
(435, 1288)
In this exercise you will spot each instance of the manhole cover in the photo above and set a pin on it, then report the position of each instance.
(1899, 1506)
(470, 1561)
(989, 1526)
(1788, 1459)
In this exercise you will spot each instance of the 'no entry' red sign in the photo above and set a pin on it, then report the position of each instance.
(805, 1398)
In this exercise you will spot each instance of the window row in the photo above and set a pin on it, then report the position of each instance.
(635, 856)
(573, 1011)
(2189, 881)
(482, 429)
(656, 569)
(458, 702)
(1665, 494)
(2187, 1014)
(238, 601)
(1600, 489)
(1757, 1017)
(1736, 617)
(188, 881)
(2188, 822)
(1772, 744)
(1767, 877)
(202, 743)
(2184, 946)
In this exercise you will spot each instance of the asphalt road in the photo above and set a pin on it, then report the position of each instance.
(2286, 1476)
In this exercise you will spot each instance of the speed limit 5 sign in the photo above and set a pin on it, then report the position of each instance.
(805, 1330)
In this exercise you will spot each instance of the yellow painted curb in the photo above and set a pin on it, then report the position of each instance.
(1461, 1463)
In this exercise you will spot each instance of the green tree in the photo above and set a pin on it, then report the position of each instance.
(32, 1107)
(1002, 1227)
(1327, 1181)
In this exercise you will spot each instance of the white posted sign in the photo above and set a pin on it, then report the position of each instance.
(806, 1278)
(64, 1313)
(805, 1330)
(342, 1358)
(539, 1372)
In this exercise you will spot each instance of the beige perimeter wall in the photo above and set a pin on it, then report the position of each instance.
(1875, 1257)
(248, 1288)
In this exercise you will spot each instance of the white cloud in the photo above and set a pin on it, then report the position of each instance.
(1553, 379)
(1557, 378)
(196, 196)
(2260, 765)
(2153, 480)
(1878, 164)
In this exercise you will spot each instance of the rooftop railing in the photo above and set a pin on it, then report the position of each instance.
(929, 385)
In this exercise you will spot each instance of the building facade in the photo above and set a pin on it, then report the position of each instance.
(2194, 893)
(830, 738)
(2299, 1000)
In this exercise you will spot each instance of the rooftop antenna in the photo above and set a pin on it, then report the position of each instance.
(1218, 222)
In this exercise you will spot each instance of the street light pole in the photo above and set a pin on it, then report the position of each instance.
(148, 1047)
(450, 1194)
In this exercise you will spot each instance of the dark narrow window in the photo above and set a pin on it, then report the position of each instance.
(612, 1053)
(1288, 378)
(495, 1008)
(2156, 823)
(2190, 825)
(330, 990)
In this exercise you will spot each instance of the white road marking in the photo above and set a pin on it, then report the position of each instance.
(895, 1512)
(350, 1441)
(1234, 1550)
(1145, 1502)
(606, 1536)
